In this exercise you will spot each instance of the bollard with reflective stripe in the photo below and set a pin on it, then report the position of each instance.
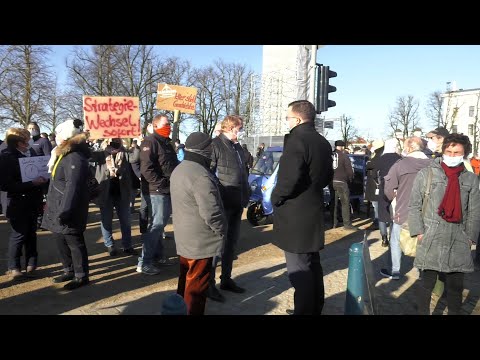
(354, 301)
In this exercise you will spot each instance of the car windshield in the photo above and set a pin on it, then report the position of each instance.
(267, 163)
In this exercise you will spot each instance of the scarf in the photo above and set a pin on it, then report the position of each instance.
(164, 131)
(114, 162)
(450, 208)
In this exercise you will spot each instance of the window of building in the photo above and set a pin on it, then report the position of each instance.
(470, 129)
(454, 129)
(471, 111)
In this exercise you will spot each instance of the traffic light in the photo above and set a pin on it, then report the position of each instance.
(323, 88)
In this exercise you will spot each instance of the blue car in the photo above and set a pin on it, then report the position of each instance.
(263, 178)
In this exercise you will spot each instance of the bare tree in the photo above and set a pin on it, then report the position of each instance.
(434, 109)
(56, 109)
(125, 70)
(451, 112)
(348, 131)
(236, 83)
(210, 98)
(26, 83)
(405, 115)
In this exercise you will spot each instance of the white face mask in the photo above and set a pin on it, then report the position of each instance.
(431, 145)
(35, 132)
(241, 134)
(452, 161)
(150, 129)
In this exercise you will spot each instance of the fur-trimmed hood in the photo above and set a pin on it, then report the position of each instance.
(77, 143)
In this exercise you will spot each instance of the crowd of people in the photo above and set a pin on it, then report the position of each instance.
(429, 187)
(425, 185)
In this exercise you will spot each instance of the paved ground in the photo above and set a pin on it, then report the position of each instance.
(117, 289)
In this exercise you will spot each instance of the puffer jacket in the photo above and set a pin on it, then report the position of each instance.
(445, 247)
(228, 164)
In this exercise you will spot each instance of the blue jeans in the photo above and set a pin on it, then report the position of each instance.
(383, 228)
(159, 210)
(395, 250)
(143, 214)
(375, 208)
(124, 216)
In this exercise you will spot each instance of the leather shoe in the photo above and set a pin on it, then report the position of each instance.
(229, 285)
(111, 251)
(76, 283)
(214, 294)
(290, 312)
(64, 277)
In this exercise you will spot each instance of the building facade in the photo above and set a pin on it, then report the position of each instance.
(460, 110)
(286, 77)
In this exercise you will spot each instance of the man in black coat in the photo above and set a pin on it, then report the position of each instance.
(305, 169)
(228, 163)
(41, 145)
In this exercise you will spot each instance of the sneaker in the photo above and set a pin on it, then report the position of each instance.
(290, 312)
(31, 270)
(389, 275)
(149, 270)
(165, 262)
(15, 274)
(350, 227)
(130, 251)
(111, 250)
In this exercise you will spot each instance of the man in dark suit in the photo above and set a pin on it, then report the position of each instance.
(305, 169)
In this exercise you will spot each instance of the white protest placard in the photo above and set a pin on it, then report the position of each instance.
(33, 167)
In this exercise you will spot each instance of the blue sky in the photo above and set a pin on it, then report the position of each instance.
(370, 78)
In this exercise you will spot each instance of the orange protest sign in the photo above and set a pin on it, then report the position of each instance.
(174, 97)
(111, 116)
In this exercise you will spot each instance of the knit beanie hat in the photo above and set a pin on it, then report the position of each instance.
(68, 129)
(197, 141)
(174, 304)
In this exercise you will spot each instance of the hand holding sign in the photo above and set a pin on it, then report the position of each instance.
(33, 168)
(39, 181)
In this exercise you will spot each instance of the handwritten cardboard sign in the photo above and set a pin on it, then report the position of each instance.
(111, 116)
(174, 97)
(33, 167)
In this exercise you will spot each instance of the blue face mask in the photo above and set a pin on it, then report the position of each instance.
(452, 161)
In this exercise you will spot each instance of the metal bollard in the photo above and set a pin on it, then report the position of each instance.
(354, 301)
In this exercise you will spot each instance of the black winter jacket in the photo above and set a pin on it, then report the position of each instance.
(228, 164)
(24, 196)
(66, 210)
(157, 161)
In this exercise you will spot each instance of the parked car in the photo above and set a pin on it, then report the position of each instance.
(263, 178)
